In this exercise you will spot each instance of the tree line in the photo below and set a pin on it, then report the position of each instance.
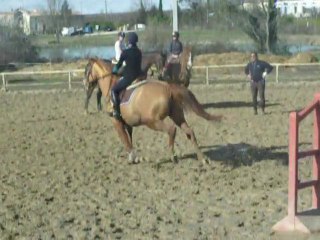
(260, 23)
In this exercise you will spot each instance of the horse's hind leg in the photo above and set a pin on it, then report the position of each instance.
(177, 116)
(160, 125)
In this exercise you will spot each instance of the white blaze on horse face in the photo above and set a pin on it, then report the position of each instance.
(189, 65)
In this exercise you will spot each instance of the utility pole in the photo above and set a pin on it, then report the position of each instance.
(207, 12)
(175, 15)
(106, 7)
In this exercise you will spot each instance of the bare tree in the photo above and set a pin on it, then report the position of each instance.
(54, 7)
(270, 13)
(66, 13)
(15, 46)
(259, 21)
(147, 4)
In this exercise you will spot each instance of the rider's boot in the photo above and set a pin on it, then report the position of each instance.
(116, 106)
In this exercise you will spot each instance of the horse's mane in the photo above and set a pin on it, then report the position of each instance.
(103, 64)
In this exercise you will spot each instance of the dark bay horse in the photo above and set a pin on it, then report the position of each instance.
(152, 63)
(179, 70)
(150, 103)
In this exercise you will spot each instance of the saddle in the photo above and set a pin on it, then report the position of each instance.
(174, 60)
(126, 94)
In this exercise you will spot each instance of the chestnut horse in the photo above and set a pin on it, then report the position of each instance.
(150, 103)
(152, 63)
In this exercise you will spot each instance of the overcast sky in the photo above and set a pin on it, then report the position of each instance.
(84, 6)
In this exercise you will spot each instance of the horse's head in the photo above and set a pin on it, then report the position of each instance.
(88, 75)
(186, 66)
(95, 70)
(153, 61)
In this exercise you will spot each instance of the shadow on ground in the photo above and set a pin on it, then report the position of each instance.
(243, 154)
(234, 104)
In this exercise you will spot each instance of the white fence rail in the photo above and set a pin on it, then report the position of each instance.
(69, 73)
(311, 69)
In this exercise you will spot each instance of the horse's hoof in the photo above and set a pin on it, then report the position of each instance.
(174, 158)
(206, 161)
(135, 161)
(132, 158)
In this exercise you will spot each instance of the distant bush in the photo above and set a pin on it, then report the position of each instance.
(15, 46)
(292, 25)
(217, 47)
(156, 36)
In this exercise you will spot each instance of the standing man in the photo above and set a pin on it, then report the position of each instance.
(256, 72)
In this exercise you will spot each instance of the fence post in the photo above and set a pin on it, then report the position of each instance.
(277, 73)
(4, 84)
(316, 159)
(69, 80)
(207, 75)
(293, 165)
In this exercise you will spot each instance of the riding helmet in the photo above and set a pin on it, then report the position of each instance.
(132, 38)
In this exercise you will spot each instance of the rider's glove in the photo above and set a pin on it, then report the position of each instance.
(115, 70)
(264, 74)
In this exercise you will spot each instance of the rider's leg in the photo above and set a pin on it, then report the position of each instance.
(115, 91)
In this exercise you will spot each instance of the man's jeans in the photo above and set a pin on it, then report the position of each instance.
(258, 87)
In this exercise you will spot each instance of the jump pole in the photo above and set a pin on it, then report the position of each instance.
(307, 221)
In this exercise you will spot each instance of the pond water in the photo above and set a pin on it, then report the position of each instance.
(107, 52)
(68, 53)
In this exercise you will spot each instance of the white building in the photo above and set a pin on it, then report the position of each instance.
(29, 22)
(298, 8)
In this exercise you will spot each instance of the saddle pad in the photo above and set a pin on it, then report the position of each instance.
(126, 95)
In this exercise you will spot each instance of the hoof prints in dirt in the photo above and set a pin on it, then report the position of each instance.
(64, 175)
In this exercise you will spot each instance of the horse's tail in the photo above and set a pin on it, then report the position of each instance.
(187, 100)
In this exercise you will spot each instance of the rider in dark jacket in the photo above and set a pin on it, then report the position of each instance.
(175, 49)
(132, 56)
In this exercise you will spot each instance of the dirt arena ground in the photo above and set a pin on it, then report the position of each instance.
(64, 175)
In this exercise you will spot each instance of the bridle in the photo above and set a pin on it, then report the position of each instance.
(88, 74)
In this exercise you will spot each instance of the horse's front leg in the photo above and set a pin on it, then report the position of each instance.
(89, 91)
(129, 131)
(126, 140)
(99, 95)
